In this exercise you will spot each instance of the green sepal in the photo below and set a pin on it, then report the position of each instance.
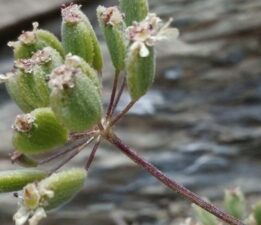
(134, 10)
(115, 37)
(234, 203)
(64, 185)
(140, 73)
(45, 134)
(15, 180)
(79, 107)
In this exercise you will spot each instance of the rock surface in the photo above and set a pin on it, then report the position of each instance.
(201, 122)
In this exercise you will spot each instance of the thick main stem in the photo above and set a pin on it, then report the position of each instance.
(132, 154)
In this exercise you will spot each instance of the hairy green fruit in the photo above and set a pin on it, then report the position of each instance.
(79, 38)
(18, 94)
(134, 10)
(15, 180)
(31, 41)
(64, 186)
(235, 203)
(79, 63)
(140, 73)
(74, 99)
(113, 28)
(38, 132)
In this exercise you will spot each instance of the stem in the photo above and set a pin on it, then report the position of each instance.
(119, 94)
(132, 154)
(76, 136)
(77, 151)
(60, 153)
(113, 93)
(122, 113)
(93, 153)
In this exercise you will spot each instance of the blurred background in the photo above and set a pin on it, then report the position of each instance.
(200, 123)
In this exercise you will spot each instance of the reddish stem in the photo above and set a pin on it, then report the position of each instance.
(122, 113)
(113, 94)
(119, 94)
(92, 155)
(133, 155)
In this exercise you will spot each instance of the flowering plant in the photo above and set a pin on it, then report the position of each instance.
(58, 87)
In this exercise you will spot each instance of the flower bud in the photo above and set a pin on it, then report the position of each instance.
(78, 36)
(140, 72)
(113, 27)
(257, 213)
(38, 132)
(31, 41)
(235, 203)
(205, 217)
(79, 63)
(15, 180)
(48, 194)
(74, 98)
(134, 10)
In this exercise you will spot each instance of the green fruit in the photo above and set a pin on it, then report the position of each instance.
(31, 41)
(140, 73)
(235, 203)
(15, 180)
(78, 62)
(74, 99)
(113, 27)
(134, 10)
(14, 90)
(79, 38)
(64, 186)
(38, 132)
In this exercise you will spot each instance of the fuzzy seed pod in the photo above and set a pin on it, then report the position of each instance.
(15, 92)
(42, 69)
(134, 10)
(28, 85)
(140, 73)
(235, 203)
(79, 38)
(113, 28)
(79, 63)
(64, 185)
(257, 213)
(15, 180)
(74, 99)
(48, 194)
(38, 132)
(31, 41)
(204, 217)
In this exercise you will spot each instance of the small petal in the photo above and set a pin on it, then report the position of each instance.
(21, 216)
(37, 216)
(144, 51)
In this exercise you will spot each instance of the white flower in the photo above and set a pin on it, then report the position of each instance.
(111, 15)
(34, 198)
(146, 33)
